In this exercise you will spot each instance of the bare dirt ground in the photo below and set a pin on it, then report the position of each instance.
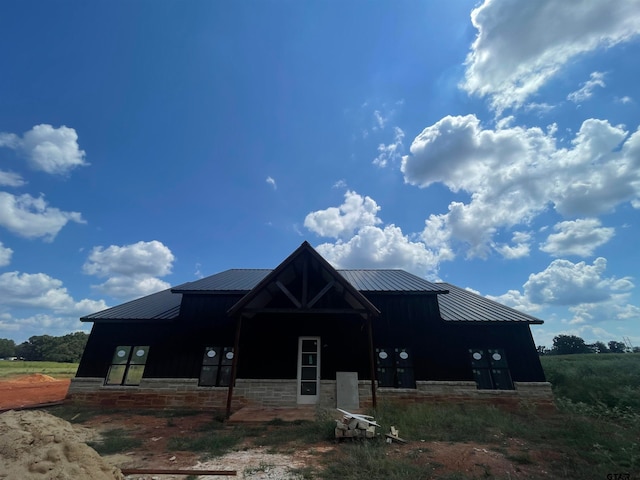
(508, 458)
(32, 389)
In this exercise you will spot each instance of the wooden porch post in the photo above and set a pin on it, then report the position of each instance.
(372, 362)
(234, 364)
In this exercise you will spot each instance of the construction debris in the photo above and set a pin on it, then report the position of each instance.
(353, 425)
(394, 436)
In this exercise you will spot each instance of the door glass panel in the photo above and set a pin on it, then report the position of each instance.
(309, 358)
(308, 388)
(309, 373)
(309, 346)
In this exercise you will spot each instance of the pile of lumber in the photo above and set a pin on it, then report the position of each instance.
(353, 425)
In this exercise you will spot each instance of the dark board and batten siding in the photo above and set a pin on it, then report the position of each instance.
(268, 347)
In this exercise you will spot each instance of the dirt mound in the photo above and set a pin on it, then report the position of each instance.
(37, 446)
(33, 378)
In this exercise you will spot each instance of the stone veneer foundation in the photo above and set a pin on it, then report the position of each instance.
(184, 393)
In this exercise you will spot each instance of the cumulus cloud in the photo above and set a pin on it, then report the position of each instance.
(5, 255)
(374, 247)
(512, 174)
(567, 283)
(48, 149)
(515, 299)
(56, 325)
(520, 246)
(391, 152)
(586, 91)
(272, 182)
(39, 290)
(522, 44)
(578, 237)
(32, 217)
(342, 221)
(10, 179)
(591, 296)
(131, 269)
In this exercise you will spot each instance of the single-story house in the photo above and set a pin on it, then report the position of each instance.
(306, 333)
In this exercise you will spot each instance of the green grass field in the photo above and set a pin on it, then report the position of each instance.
(10, 369)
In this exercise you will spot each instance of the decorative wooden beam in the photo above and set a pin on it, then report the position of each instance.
(322, 292)
(288, 294)
(305, 282)
(372, 361)
(234, 364)
(324, 311)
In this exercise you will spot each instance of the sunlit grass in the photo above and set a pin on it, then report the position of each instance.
(11, 369)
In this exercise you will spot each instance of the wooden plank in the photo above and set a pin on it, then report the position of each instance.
(363, 418)
(164, 471)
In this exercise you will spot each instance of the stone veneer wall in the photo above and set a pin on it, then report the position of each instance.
(184, 393)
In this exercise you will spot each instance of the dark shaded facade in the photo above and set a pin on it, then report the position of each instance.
(302, 323)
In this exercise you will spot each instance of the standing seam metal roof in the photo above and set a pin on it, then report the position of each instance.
(461, 305)
(362, 280)
(458, 305)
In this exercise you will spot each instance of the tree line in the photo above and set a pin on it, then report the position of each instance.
(45, 348)
(570, 344)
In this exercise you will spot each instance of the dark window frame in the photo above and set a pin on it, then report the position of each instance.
(215, 368)
(490, 369)
(127, 365)
(396, 369)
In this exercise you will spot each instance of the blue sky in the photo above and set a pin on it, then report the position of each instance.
(495, 146)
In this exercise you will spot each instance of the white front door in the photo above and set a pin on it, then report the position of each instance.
(308, 370)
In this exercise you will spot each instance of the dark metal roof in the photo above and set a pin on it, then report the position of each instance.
(163, 305)
(458, 305)
(362, 280)
(389, 281)
(235, 280)
(461, 305)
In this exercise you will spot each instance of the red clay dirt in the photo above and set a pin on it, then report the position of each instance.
(30, 390)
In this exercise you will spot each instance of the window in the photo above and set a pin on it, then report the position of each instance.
(127, 365)
(216, 367)
(395, 367)
(490, 369)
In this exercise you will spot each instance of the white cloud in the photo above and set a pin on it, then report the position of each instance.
(342, 183)
(39, 290)
(513, 174)
(31, 217)
(48, 149)
(520, 246)
(381, 121)
(391, 152)
(578, 237)
(586, 91)
(132, 269)
(374, 247)
(5, 255)
(272, 182)
(25, 327)
(624, 100)
(10, 179)
(342, 221)
(128, 287)
(515, 299)
(567, 283)
(522, 44)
